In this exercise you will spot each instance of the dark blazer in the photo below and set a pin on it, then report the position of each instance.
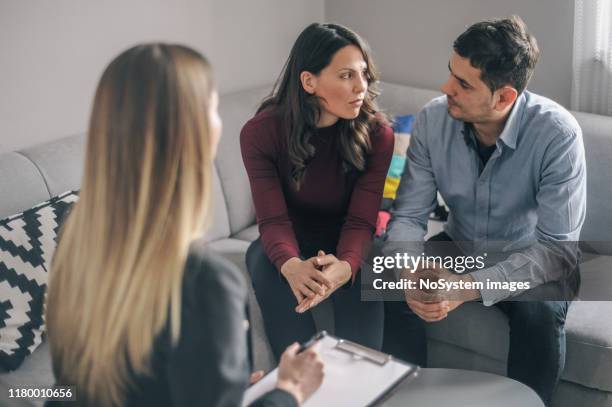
(209, 364)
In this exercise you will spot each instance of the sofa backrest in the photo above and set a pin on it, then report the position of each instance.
(33, 175)
(597, 134)
(398, 100)
(235, 110)
(21, 185)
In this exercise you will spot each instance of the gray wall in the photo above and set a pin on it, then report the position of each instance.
(52, 53)
(412, 40)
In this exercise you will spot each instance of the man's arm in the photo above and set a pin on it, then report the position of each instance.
(416, 196)
(561, 198)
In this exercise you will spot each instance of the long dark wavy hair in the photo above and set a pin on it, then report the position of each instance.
(312, 52)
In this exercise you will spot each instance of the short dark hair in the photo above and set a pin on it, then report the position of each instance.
(503, 51)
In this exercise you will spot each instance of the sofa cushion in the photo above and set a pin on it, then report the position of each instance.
(233, 249)
(570, 394)
(589, 344)
(21, 185)
(27, 243)
(588, 330)
(219, 226)
(400, 99)
(235, 110)
(597, 137)
(60, 163)
(249, 234)
(36, 370)
(596, 279)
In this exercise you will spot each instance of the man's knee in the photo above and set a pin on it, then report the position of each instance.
(539, 316)
(399, 310)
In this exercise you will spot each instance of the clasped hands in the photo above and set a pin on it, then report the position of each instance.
(314, 279)
(434, 304)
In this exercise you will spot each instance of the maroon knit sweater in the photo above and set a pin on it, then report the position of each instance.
(330, 202)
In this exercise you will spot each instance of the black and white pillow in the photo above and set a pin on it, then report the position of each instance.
(27, 243)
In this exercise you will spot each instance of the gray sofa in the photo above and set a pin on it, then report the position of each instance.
(472, 337)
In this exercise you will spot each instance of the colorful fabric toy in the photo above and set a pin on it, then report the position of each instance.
(402, 126)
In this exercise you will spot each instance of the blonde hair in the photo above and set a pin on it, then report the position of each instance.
(116, 277)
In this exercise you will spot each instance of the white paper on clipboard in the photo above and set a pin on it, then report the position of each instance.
(349, 381)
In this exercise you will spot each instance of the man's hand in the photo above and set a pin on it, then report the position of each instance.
(434, 304)
(433, 311)
(338, 272)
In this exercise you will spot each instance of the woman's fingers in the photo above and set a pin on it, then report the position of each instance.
(304, 305)
(298, 295)
(325, 260)
(307, 292)
(291, 350)
(314, 286)
(322, 278)
(312, 302)
(309, 303)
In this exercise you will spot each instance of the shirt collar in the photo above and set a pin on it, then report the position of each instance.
(511, 130)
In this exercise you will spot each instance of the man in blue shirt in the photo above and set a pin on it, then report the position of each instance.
(510, 166)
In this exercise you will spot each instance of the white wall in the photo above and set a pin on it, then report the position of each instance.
(412, 40)
(52, 53)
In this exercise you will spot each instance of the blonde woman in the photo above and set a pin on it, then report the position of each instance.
(138, 314)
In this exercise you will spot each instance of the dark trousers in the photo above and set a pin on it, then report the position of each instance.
(357, 321)
(536, 354)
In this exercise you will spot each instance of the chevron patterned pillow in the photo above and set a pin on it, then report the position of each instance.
(27, 243)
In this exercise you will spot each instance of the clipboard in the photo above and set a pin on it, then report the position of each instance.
(355, 375)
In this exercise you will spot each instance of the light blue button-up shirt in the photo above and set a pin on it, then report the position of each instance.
(532, 188)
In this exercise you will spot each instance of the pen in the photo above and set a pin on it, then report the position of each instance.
(311, 341)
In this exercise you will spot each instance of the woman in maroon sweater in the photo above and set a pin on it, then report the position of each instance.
(317, 154)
